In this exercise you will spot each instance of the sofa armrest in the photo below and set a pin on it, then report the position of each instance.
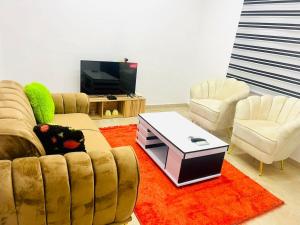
(89, 187)
(128, 173)
(71, 103)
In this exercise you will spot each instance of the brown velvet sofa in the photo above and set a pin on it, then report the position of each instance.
(93, 188)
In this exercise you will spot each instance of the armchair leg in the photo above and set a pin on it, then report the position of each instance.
(230, 149)
(229, 133)
(281, 164)
(261, 167)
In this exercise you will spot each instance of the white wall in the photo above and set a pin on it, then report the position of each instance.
(1, 59)
(296, 156)
(218, 30)
(175, 42)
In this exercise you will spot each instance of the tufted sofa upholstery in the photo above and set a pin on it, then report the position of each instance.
(97, 187)
(212, 102)
(267, 127)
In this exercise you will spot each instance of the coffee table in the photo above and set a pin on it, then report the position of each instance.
(166, 138)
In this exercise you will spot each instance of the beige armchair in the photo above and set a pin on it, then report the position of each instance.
(212, 102)
(267, 127)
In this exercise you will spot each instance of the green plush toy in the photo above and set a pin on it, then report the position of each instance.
(41, 102)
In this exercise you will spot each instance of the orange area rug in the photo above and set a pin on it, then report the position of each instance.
(229, 199)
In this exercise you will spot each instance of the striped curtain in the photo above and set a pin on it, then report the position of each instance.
(266, 52)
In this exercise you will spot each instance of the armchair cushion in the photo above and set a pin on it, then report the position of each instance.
(262, 133)
(207, 108)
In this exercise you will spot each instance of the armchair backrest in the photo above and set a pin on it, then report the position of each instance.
(17, 138)
(290, 111)
(219, 89)
(280, 109)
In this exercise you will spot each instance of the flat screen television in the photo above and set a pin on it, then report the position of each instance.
(107, 78)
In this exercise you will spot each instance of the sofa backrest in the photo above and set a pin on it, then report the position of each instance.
(17, 138)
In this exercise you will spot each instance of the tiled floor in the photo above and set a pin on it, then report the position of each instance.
(284, 184)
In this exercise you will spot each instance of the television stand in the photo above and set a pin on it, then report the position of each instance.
(127, 106)
(111, 97)
(131, 95)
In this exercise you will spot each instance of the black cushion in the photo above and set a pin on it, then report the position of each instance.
(59, 140)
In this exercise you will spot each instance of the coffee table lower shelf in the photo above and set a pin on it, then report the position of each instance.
(182, 169)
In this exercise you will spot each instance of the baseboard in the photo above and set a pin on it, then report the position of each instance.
(294, 162)
(167, 105)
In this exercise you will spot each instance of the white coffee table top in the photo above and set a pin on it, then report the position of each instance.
(177, 129)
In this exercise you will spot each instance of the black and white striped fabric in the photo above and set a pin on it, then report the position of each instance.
(266, 52)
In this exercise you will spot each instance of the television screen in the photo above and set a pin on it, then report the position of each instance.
(104, 78)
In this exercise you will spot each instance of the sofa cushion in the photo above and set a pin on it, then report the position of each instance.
(207, 108)
(79, 121)
(259, 133)
(41, 102)
(94, 140)
(58, 139)
(14, 101)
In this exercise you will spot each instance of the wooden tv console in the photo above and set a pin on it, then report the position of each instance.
(126, 106)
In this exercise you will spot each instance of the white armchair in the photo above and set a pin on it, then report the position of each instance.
(267, 127)
(213, 102)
